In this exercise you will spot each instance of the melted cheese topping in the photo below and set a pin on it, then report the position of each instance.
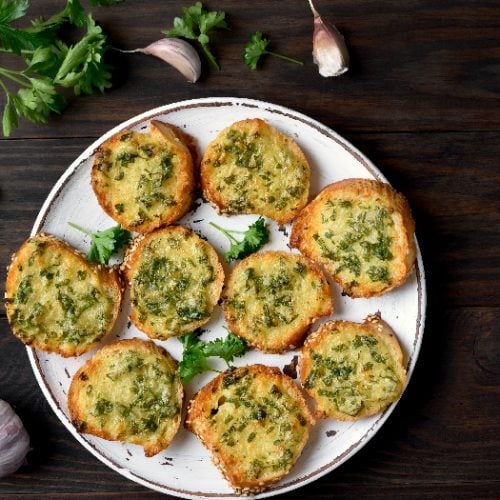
(270, 296)
(174, 283)
(140, 177)
(357, 240)
(130, 394)
(353, 372)
(257, 424)
(59, 299)
(258, 173)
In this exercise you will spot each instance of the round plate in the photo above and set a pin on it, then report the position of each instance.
(184, 469)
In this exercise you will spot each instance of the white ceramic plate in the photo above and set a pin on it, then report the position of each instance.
(184, 469)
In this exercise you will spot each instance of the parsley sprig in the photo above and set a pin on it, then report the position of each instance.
(51, 64)
(257, 47)
(255, 237)
(195, 24)
(104, 243)
(196, 353)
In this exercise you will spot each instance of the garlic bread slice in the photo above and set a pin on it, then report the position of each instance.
(362, 232)
(272, 298)
(145, 180)
(255, 422)
(129, 391)
(56, 300)
(352, 370)
(252, 168)
(175, 281)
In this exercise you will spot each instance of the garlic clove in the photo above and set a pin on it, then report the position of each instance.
(178, 53)
(329, 48)
(14, 440)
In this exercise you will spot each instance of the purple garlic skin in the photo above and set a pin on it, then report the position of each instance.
(14, 440)
(329, 48)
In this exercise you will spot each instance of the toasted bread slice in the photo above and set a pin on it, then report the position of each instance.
(272, 298)
(145, 181)
(175, 281)
(129, 391)
(252, 168)
(362, 232)
(352, 370)
(255, 422)
(56, 300)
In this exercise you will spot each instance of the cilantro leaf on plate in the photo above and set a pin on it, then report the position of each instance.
(255, 237)
(104, 243)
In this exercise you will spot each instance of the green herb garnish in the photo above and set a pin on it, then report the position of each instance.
(256, 236)
(195, 24)
(105, 243)
(257, 47)
(50, 63)
(194, 357)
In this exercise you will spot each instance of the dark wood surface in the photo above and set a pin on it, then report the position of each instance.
(422, 100)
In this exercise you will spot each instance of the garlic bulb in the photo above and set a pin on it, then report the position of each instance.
(14, 440)
(329, 48)
(176, 52)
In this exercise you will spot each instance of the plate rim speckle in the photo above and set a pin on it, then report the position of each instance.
(302, 120)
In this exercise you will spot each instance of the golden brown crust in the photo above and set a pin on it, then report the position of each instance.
(277, 186)
(373, 326)
(275, 314)
(41, 295)
(256, 436)
(132, 262)
(164, 201)
(91, 372)
(309, 223)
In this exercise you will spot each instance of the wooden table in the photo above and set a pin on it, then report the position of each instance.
(422, 101)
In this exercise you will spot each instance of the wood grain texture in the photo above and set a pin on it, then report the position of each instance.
(421, 100)
(419, 65)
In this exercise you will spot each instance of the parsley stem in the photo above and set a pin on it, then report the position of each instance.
(14, 76)
(226, 232)
(286, 58)
(210, 56)
(79, 228)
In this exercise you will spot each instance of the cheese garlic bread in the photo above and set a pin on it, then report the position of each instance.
(272, 298)
(175, 281)
(145, 181)
(129, 391)
(255, 422)
(252, 168)
(362, 232)
(352, 370)
(56, 300)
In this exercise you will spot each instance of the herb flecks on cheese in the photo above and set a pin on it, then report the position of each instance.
(131, 392)
(255, 421)
(58, 300)
(273, 297)
(175, 283)
(252, 168)
(350, 371)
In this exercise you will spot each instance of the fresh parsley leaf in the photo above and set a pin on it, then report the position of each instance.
(83, 67)
(10, 10)
(196, 351)
(73, 13)
(195, 24)
(105, 243)
(15, 39)
(255, 237)
(257, 47)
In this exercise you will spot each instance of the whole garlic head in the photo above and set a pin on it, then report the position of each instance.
(14, 440)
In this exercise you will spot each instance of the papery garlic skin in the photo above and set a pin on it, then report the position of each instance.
(329, 48)
(178, 53)
(14, 440)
